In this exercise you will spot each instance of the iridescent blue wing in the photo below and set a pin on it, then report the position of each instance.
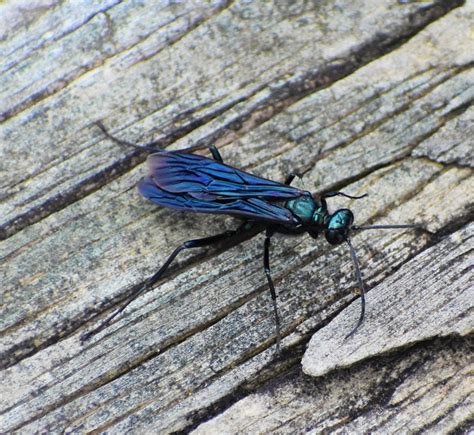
(249, 208)
(207, 179)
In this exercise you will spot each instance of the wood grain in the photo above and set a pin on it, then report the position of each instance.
(370, 97)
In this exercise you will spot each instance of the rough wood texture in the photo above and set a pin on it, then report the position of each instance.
(371, 96)
(442, 306)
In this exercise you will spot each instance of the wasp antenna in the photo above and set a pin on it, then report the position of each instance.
(384, 227)
(331, 194)
(356, 197)
(124, 142)
(358, 274)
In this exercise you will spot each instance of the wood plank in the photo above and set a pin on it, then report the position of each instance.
(441, 306)
(351, 97)
(99, 65)
(426, 388)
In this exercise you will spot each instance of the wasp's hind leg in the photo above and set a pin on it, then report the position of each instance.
(150, 147)
(190, 244)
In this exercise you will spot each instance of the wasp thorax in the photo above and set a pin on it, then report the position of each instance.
(338, 226)
(320, 216)
(303, 207)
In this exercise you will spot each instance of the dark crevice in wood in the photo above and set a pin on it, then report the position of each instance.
(450, 229)
(278, 100)
(446, 166)
(453, 114)
(273, 375)
(463, 428)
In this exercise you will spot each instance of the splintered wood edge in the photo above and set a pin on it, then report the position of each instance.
(398, 318)
(428, 386)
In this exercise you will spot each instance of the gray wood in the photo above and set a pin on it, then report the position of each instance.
(427, 388)
(452, 143)
(430, 296)
(372, 96)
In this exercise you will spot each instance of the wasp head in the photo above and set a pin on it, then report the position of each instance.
(338, 226)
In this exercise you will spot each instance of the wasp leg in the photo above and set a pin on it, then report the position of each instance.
(216, 155)
(266, 266)
(151, 146)
(291, 177)
(196, 243)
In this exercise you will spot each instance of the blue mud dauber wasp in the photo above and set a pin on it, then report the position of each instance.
(189, 182)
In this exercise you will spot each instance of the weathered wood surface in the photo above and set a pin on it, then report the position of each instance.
(441, 307)
(373, 96)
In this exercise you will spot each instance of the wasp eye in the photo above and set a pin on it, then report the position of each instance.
(338, 226)
(334, 237)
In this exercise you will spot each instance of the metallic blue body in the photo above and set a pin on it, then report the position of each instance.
(211, 180)
(191, 182)
(195, 183)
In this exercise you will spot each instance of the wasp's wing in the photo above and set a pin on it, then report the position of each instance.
(249, 208)
(207, 179)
